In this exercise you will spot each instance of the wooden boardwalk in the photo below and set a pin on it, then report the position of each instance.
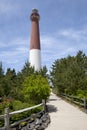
(65, 116)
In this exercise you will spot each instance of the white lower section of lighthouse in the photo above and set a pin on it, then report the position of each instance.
(35, 59)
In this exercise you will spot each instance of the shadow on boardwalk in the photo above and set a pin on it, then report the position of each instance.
(51, 108)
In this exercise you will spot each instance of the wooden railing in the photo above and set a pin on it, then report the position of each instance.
(79, 101)
(8, 114)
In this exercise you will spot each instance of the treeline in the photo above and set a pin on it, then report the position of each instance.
(69, 75)
(11, 82)
(22, 89)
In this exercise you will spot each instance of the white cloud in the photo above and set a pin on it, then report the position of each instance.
(76, 35)
(14, 53)
(63, 43)
(47, 40)
(14, 44)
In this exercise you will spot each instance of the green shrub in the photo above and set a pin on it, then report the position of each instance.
(81, 93)
(35, 88)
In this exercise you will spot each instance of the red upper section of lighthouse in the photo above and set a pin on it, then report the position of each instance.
(35, 37)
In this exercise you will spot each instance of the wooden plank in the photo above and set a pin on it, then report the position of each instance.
(6, 118)
(26, 109)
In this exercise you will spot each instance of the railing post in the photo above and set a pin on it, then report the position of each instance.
(6, 118)
(44, 105)
(85, 105)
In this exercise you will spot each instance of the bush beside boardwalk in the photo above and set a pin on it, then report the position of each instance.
(13, 93)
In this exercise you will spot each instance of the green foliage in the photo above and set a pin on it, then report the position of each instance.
(69, 75)
(17, 105)
(14, 105)
(1, 70)
(81, 93)
(43, 72)
(35, 88)
(13, 95)
(11, 82)
(6, 103)
(1, 78)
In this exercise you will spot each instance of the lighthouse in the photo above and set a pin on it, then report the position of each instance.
(35, 49)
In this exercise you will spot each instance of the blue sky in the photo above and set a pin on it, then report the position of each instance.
(63, 30)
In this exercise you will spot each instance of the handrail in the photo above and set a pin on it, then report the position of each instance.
(73, 99)
(26, 109)
(23, 120)
(7, 115)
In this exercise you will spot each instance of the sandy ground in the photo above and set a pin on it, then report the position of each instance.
(65, 116)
